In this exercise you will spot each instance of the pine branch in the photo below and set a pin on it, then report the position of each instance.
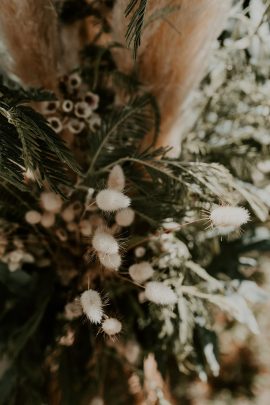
(122, 131)
(135, 26)
(37, 147)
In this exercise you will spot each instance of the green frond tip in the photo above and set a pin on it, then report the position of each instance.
(135, 26)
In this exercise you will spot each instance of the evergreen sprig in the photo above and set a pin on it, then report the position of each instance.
(28, 142)
(135, 26)
(122, 130)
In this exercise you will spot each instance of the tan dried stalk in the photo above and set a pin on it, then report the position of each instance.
(28, 31)
(173, 56)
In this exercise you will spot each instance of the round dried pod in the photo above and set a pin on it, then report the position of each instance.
(104, 243)
(49, 107)
(125, 217)
(48, 219)
(111, 326)
(140, 251)
(33, 217)
(67, 106)
(56, 124)
(160, 293)
(112, 200)
(74, 82)
(92, 100)
(82, 110)
(68, 214)
(141, 272)
(111, 262)
(92, 305)
(51, 202)
(116, 179)
(75, 126)
(85, 227)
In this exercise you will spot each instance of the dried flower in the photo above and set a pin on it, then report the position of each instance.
(110, 261)
(92, 305)
(47, 219)
(67, 106)
(125, 217)
(92, 100)
(116, 179)
(141, 272)
(75, 126)
(112, 200)
(229, 216)
(49, 107)
(140, 251)
(85, 227)
(51, 202)
(33, 217)
(111, 326)
(160, 293)
(56, 124)
(74, 81)
(96, 401)
(82, 110)
(94, 122)
(68, 214)
(104, 243)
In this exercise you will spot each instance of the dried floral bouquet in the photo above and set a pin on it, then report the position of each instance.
(117, 260)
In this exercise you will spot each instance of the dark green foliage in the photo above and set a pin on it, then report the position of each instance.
(28, 142)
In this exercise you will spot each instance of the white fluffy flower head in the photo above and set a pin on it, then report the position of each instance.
(104, 243)
(116, 179)
(160, 293)
(92, 305)
(141, 272)
(110, 261)
(229, 216)
(111, 326)
(112, 200)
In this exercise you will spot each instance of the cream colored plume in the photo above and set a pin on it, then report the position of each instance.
(173, 55)
(28, 36)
